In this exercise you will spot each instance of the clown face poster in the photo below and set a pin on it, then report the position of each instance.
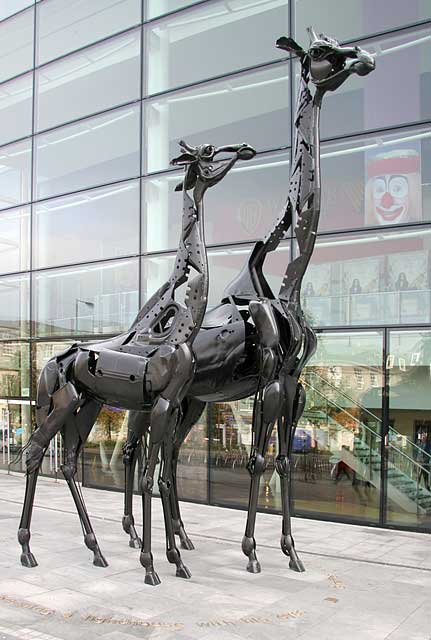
(393, 193)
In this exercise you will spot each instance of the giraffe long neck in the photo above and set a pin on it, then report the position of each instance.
(162, 318)
(303, 181)
(304, 191)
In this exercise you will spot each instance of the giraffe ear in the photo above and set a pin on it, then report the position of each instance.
(184, 158)
(288, 44)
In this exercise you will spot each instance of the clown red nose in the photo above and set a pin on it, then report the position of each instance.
(387, 200)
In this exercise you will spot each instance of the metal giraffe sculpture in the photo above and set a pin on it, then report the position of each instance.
(149, 366)
(254, 342)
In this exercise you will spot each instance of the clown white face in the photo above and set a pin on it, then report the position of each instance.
(391, 198)
(393, 193)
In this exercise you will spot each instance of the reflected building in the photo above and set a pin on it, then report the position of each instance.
(93, 101)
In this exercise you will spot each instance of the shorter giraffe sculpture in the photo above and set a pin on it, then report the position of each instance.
(150, 366)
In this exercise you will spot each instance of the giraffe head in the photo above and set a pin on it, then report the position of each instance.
(202, 167)
(328, 63)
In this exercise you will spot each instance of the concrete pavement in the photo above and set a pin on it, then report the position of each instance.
(360, 582)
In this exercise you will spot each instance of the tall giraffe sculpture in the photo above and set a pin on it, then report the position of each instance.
(151, 365)
(256, 343)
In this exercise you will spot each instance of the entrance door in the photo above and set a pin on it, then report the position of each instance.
(408, 441)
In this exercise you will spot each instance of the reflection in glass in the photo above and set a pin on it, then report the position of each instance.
(219, 29)
(103, 455)
(230, 424)
(14, 369)
(41, 353)
(15, 174)
(252, 107)
(376, 181)
(224, 265)
(94, 151)
(87, 299)
(92, 80)
(156, 8)
(244, 209)
(337, 443)
(357, 18)
(15, 240)
(16, 40)
(67, 25)
(14, 306)
(376, 102)
(16, 108)
(192, 469)
(369, 279)
(109, 215)
(15, 431)
(408, 484)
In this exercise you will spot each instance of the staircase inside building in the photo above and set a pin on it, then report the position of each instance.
(352, 434)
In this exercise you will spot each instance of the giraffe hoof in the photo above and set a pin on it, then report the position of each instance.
(135, 543)
(100, 561)
(254, 566)
(152, 578)
(183, 572)
(187, 544)
(28, 560)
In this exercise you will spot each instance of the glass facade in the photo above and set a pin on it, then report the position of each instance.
(94, 97)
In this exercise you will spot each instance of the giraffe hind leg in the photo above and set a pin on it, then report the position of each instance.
(64, 402)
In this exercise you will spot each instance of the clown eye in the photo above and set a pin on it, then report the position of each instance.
(398, 187)
(379, 187)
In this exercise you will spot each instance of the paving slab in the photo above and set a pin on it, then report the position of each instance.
(360, 582)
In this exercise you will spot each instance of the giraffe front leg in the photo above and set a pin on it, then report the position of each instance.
(266, 410)
(286, 431)
(163, 418)
(64, 402)
(130, 456)
(165, 485)
(193, 409)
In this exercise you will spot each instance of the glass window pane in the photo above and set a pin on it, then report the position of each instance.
(156, 8)
(16, 44)
(369, 279)
(67, 25)
(375, 102)
(409, 440)
(14, 369)
(103, 455)
(210, 41)
(252, 108)
(357, 18)
(243, 207)
(41, 353)
(94, 151)
(91, 225)
(337, 445)
(16, 108)
(379, 180)
(9, 7)
(98, 298)
(15, 174)
(224, 265)
(16, 423)
(15, 240)
(230, 433)
(14, 306)
(192, 469)
(92, 80)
